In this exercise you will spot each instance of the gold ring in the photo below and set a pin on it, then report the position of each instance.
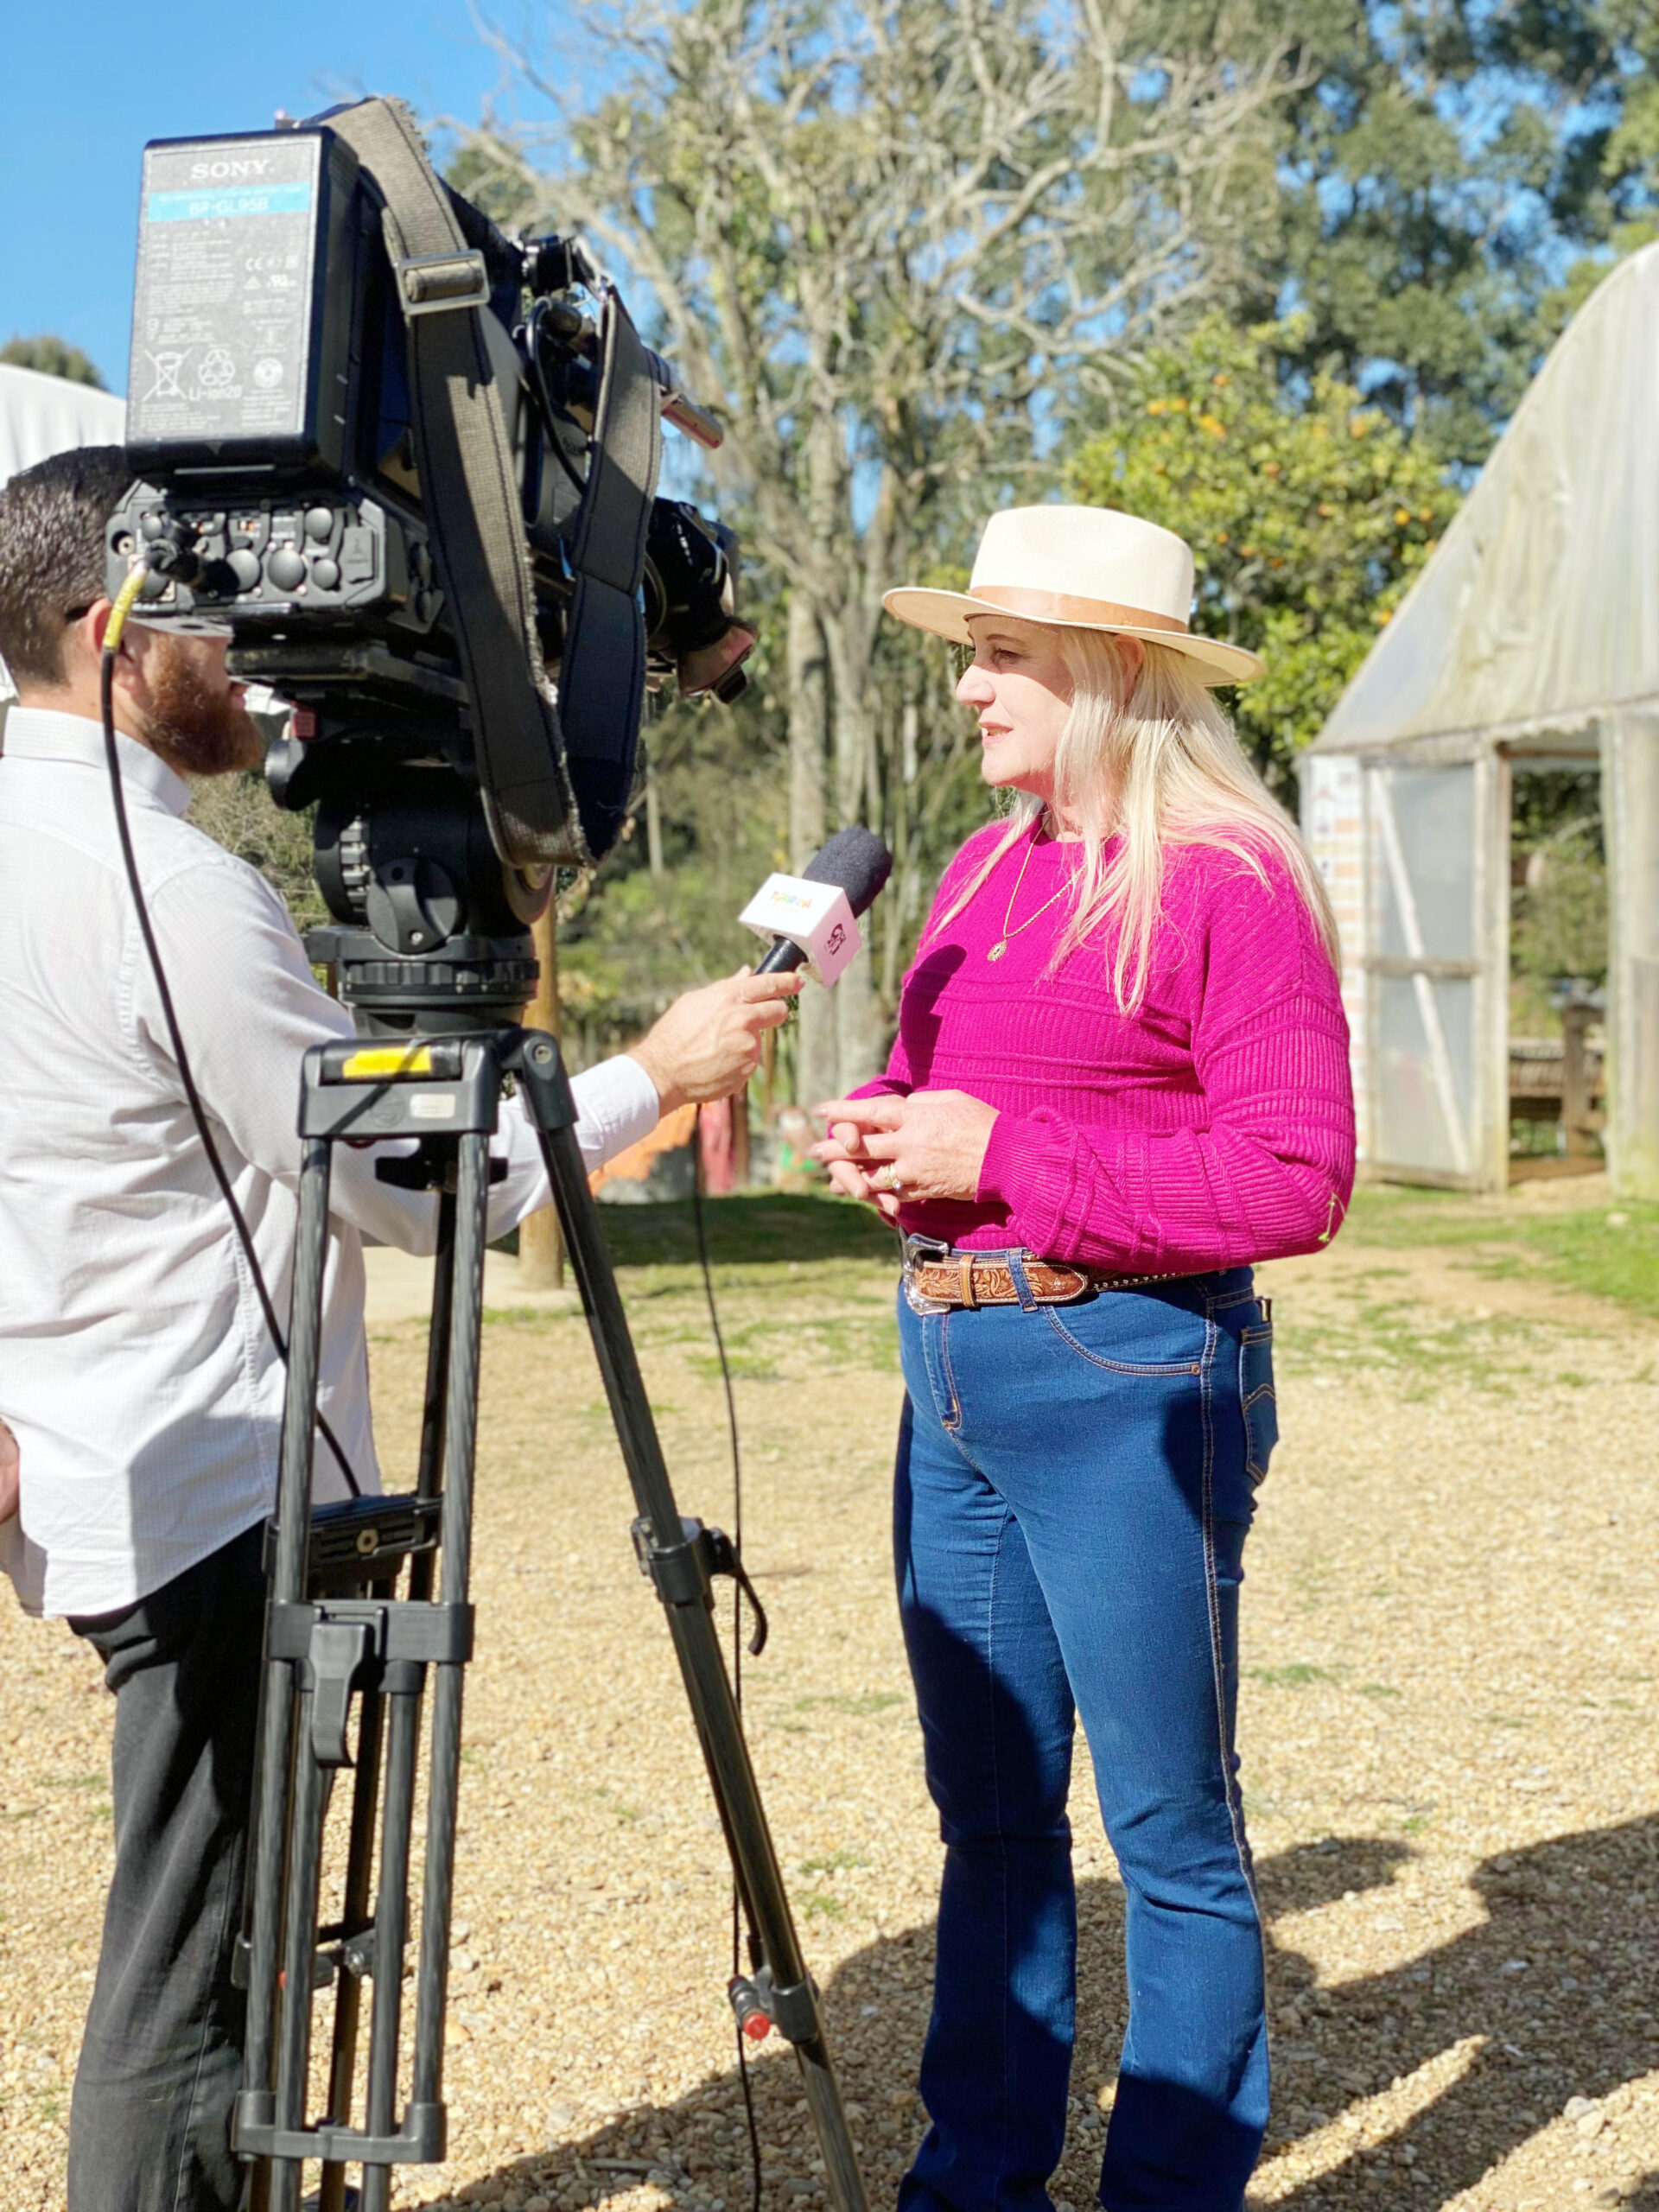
(886, 1179)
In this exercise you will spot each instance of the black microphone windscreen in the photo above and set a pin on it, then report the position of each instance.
(857, 862)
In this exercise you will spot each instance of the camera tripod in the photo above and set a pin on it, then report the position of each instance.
(337, 1630)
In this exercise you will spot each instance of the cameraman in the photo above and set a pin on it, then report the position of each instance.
(136, 1375)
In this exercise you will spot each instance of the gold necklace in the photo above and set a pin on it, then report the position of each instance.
(1008, 930)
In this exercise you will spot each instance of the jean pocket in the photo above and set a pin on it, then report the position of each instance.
(1257, 1399)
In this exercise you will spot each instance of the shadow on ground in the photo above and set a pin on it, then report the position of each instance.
(1556, 1982)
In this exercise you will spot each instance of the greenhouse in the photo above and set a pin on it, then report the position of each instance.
(1517, 685)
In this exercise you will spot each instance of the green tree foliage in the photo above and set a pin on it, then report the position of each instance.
(636, 934)
(1447, 160)
(1558, 919)
(1308, 517)
(52, 357)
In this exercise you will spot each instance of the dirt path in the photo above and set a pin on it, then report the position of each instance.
(1452, 1649)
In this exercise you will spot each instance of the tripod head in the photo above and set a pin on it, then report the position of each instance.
(431, 927)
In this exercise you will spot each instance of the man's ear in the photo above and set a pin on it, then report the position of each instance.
(93, 624)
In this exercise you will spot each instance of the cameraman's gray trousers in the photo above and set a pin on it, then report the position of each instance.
(149, 2124)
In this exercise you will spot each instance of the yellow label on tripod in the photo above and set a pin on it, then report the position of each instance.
(375, 1062)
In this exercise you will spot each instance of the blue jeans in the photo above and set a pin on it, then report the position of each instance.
(1074, 1488)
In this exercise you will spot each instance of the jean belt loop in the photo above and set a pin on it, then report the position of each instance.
(1027, 1296)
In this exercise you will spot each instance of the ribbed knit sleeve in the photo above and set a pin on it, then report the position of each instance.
(1269, 1169)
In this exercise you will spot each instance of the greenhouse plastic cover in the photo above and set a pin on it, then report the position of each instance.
(45, 415)
(1542, 602)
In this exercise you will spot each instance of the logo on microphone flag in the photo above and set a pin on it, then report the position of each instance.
(815, 916)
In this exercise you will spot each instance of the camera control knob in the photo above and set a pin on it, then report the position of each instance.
(320, 523)
(325, 575)
(284, 569)
(244, 565)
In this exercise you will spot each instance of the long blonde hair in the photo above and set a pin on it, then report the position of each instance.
(1159, 768)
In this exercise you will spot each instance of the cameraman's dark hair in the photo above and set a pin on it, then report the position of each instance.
(52, 523)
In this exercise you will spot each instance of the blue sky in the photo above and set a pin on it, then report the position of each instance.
(87, 83)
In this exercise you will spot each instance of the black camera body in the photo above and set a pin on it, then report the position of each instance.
(279, 432)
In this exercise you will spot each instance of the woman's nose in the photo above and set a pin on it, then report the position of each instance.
(974, 686)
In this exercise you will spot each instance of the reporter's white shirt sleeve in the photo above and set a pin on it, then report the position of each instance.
(135, 1366)
(255, 1016)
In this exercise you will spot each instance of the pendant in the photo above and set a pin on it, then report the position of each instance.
(998, 949)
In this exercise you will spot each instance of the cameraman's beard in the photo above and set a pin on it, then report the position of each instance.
(197, 728)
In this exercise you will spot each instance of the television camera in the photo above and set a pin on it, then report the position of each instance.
(468, 684)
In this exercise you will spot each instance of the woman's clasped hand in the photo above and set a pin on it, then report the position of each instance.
(927, 1145)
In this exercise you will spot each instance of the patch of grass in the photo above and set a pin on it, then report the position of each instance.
(1299, 1675)
(818, 1904)
(833, 1864)
(1416, 1347)
(752, 1227)
(744, 1366)
(1607, 1251)
(529, 1317)
(1379, 1689)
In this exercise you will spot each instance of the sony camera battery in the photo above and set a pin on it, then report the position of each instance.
(243, 305)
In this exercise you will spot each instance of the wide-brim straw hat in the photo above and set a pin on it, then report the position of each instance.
(1079, 569)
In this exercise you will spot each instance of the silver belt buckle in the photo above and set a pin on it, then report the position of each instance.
(916, 1250)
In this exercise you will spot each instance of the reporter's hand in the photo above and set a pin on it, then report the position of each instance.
(930, 1145)
(707, 1045)
(11, 1481)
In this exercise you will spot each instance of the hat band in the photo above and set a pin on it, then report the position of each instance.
(1062, 607)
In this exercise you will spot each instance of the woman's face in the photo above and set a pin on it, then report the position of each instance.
(1021, 689)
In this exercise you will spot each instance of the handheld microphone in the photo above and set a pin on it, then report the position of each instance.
(811, 918)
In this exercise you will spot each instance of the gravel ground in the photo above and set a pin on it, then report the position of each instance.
(1450, 1668)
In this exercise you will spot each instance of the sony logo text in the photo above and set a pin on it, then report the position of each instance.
(226, 171)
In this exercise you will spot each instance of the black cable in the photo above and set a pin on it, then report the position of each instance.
(739, 1105)
(198, 1113)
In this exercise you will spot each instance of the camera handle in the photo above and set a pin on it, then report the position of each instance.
(335, 1631)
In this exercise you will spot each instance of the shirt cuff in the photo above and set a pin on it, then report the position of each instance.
(998, 1167)
(617, 1105)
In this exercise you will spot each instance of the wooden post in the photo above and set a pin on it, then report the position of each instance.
(1576, 1118)
(541, 1248)
(740, 1139)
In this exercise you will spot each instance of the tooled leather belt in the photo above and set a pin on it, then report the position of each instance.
(946, 1276)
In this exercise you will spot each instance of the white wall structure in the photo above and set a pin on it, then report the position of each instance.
(1531, 639)
(41, 415)
(47, 415)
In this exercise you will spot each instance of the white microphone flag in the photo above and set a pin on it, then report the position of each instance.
(815, 916)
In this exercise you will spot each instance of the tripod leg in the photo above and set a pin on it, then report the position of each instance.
(271, 1830)
(405, 1685)
(354, 1910)
(461, 1439)
(697, 1644)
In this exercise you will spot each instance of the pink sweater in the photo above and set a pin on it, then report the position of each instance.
(1212, 1128)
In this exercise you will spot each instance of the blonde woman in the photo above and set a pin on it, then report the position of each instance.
(1120, 1078)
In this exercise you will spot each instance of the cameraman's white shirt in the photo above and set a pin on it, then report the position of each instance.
(135, 1365)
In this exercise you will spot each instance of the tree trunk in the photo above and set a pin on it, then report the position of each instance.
(859, 1027)
(816, 1058)
(654, 820)
(541, 1248)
